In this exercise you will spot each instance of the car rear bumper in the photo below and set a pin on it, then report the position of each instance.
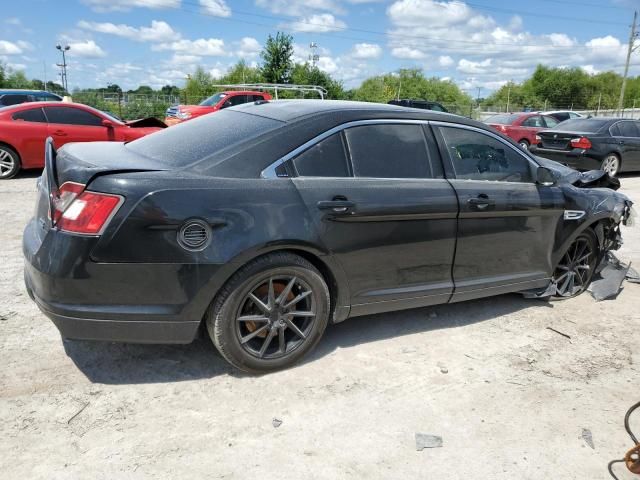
(577, 158)
(141, 303)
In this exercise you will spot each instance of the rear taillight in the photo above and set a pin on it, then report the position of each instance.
(501, 128)
(80, 211)
(582, 142)
(538, 139)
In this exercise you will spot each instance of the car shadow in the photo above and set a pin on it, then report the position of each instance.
(120, 363)
(31, 173)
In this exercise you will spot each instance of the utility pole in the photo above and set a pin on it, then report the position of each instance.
(313, 56)
(599, 102)
(63, 66)
(630, 49)
(508, 95)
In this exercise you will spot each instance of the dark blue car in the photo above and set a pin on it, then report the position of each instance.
(14, 97)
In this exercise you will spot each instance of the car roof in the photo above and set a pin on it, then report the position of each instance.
(289, 110)
(24, 91)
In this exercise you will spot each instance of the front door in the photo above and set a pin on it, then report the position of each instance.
(71, 124)
(628, 137)
(507, 222)
(382, 208)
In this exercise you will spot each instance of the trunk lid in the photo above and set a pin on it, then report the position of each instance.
(557, 140)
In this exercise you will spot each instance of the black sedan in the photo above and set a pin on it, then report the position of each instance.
(609, 144)
(266, 222)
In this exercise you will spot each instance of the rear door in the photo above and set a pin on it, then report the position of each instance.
(71, 124)
(507, 223)
(380, 203)
(31, 135)
(529, 127)
(627, 135)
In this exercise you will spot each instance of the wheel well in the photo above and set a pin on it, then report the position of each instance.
(5, 144)
(524, 140)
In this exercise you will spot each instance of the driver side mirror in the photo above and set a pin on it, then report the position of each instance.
(545, 177)
(107, 123)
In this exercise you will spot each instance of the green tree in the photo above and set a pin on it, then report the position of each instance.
(305, 74)
(198, 86)
(277, 58)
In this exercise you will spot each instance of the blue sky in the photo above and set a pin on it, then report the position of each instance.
(477, 44)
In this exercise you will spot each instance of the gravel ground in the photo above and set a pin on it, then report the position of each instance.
(509, 397)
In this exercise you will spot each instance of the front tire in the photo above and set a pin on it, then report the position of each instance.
(270, 314)
(9, 162)
(524, 144)
(577, 266)
(611, 164)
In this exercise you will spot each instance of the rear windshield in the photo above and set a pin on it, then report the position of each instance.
(196, 139)
(502, 119)
(581, 125)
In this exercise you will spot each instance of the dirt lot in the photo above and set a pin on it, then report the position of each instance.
(509, 397)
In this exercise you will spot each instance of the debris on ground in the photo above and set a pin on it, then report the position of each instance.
(559, 332)
(443, 368)
(609, 277)
(6, 316)
(424, 440)
(632, 275)
(588, 437)
(276, 422)
(78, 413)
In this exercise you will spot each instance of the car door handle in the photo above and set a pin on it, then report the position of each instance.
(480, 202)
(338, 206)
(60, 133)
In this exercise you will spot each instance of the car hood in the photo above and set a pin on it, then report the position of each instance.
(590, 179)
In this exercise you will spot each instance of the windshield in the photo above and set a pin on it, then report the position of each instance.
(212, 100)
(591, 125)
(192, 141)
(506, 119)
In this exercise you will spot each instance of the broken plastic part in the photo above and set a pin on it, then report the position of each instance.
(424, 440)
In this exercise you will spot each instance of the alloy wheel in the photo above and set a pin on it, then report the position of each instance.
(7, 163)
(524, 145)
(611, 164)
(275, 317)
(574, 272)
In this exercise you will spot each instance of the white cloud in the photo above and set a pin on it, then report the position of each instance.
(216, 8)
(321, 22)
(206, 47)
(248, 47)
(296, 8)
(468, 66)
(366, 50)
(445, 61)
(159, 31)
(86, 49)
(9, 48)
(102, 6)
(590, 69)
(408, 53)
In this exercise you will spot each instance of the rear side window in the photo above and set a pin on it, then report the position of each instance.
(388, 151)
(506, 119)
(326, 158)
(237, 99)
(197, 139)
(72, 116)
(535, 121)
(589, 125)
(32, 115)
(550, 121)
(627, 129)
(436, 108)
(478, 156)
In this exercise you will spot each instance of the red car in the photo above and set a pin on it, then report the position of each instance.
(180, 113)
(521, 127)
(25, 127)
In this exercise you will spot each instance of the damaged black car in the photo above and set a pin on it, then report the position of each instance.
(262, 224)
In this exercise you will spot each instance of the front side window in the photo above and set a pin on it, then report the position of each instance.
(478, 156)
(212, 100)
(72, 116)
(326, 158)
(388, 151)
(31, 115)
(237, 100)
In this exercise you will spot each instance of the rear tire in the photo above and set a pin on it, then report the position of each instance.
(270, 314)
(9, 162)
(575, 269)
(611, 164)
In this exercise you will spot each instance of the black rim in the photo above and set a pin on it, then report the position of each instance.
(574, 270)
(275, 317)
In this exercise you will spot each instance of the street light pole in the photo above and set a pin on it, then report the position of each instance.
(63, 66)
